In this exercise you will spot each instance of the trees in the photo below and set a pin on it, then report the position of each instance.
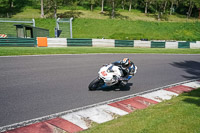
(102, 6)
(190, 4)
(52, 6)
(10, 7)
(172, 6)
(147, 4)
(189, 7)
(159, 7)
(130, 5)
(123, 2)
(113, 9)
(92, 2)
(42, 9)
(197, 4)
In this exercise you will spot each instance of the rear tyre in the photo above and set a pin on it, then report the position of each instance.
(95, 84)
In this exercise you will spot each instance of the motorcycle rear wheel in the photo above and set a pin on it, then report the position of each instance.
(95, 84)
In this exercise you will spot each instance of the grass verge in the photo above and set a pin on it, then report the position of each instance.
(135, 30)
(7, 51)
(178, 115)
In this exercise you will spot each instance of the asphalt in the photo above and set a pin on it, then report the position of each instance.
(35, 86)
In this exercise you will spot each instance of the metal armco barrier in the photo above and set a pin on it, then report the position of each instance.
(103, 42)
(57, 42)
(157, 44)
(65, 42)
(183, 44)
(18, 42)
(79, 42)
(124, 43)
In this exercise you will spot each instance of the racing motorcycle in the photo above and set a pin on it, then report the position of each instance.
(110, 75)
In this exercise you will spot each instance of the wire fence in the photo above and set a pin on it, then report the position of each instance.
(65, 25)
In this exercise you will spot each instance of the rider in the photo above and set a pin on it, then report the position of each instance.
(127, 67)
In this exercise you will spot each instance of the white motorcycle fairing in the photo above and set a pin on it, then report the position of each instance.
(110, 74)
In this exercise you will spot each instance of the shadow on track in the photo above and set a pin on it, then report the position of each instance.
(126, 88)
(191, 67)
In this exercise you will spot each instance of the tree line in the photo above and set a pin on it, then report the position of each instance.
(190, 8)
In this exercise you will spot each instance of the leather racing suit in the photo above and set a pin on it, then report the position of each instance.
(127, 71)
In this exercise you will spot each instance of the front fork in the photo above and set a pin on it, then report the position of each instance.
(102, 84)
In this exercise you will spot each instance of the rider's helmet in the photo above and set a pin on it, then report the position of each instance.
(125, 63)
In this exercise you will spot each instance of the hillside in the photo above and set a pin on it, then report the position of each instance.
(29, 12)
(127, 25)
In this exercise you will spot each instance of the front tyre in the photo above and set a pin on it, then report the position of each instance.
(95, 84)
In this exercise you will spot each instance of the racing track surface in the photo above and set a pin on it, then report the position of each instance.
(36, 86)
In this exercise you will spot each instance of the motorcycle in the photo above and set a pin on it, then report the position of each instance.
(110, 75)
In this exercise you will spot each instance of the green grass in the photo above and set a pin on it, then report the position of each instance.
(178, 115)
(135, 30)
(6, 51)
(28, 13)
(128, 30)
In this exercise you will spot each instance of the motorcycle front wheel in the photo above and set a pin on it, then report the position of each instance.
(95, 84)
